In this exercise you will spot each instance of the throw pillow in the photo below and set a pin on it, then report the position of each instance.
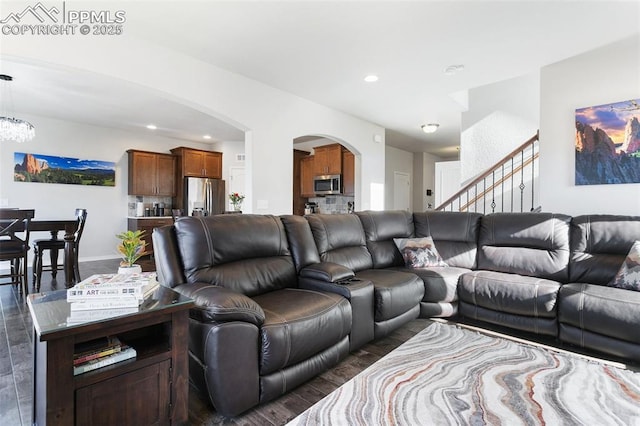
(628, 276)
(419, 252)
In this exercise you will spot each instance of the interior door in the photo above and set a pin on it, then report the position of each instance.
(401, 191)
(448, 180)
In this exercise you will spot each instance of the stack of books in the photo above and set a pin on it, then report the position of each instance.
(104, 296)
(100, 353)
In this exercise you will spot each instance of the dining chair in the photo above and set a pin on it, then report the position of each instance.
(14, 245)
(54, 245)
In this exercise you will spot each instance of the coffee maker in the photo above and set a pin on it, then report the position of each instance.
(310, 208)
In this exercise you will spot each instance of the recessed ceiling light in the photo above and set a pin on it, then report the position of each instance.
(430, 128)
(453, 69)
(371, 78)
(151, 126)
(206, 137)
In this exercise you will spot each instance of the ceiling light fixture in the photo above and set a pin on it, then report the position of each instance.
(453, 69)
(11, 128)
(206, 137)
(430, 128)
(371, 78)
(152, 126)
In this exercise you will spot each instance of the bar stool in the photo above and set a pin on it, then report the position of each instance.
(54, 245)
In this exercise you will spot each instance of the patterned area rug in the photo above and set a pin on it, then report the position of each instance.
(451, 375)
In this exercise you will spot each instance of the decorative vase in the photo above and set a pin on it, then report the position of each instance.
(133, 269)
(237, 207)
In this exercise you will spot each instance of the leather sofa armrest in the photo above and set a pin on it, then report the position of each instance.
(327, 271)
(357, 291)
(218, 304)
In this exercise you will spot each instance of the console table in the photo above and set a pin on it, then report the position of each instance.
(149, 389)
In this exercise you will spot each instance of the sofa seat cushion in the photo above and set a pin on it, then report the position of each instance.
(395, 292)
(603, 310)
(299, 324)
(510, 293)
(440, 284)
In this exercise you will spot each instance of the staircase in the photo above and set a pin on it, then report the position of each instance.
(509, 186)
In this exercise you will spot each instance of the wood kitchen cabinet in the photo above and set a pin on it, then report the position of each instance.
(306, 176)
(148, 224)
(328, 159)
(348, 172)
(151, 173)
(195, 162)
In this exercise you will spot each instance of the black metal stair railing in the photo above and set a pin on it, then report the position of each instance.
(508, 186)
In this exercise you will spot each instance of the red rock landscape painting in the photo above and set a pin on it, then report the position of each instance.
(53, 169)
(608, 144)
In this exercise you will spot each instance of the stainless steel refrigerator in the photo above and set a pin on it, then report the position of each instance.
(204, 196)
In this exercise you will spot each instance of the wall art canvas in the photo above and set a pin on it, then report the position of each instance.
(608, 144)
(51, 169)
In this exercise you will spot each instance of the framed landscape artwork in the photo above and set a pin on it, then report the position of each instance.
(608, 144)
(51, 169)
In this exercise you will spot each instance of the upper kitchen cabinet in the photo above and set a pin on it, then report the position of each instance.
(327, 159)
(195, 162)
(306, 176)
(348, 172)
(151, 173)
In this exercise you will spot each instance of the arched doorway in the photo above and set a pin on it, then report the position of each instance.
(324, 175)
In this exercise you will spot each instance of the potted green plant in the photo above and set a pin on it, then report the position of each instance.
(131, 248)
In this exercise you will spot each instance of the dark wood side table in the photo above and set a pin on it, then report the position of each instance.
(149, 389)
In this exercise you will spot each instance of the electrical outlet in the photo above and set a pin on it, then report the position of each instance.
(4, 202)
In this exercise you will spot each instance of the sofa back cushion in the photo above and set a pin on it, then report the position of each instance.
(454, 234)
(532, 244)
(301, 243)
(248, 254)
(340, 239)
(380, 228)
(599, 246)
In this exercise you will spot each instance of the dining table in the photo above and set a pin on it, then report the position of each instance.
(54, 226)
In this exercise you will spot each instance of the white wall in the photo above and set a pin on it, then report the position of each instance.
(602, 76)
(107, 206)
(270, 118)
(396, 160)
(229, 150)
(501, 117)
(424, 166)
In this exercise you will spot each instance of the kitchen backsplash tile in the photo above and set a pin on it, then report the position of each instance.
(333, 204)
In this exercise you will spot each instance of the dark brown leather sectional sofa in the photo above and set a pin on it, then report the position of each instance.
(281, 299)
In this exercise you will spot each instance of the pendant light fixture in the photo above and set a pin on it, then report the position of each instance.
(11, 128)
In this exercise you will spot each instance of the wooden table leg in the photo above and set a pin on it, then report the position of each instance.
(69, 260)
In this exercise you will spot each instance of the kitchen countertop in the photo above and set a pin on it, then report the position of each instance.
(149, 217)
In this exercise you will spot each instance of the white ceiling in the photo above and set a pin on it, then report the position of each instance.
(322, 51)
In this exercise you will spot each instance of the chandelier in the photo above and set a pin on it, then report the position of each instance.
(11, 128)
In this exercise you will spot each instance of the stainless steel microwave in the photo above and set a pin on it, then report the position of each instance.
(327, 185)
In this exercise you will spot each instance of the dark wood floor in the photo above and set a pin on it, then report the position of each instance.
(16, 365)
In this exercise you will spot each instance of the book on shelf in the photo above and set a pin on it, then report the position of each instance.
(95, 344)
(125, 353)
(95, 349)
(113, 286)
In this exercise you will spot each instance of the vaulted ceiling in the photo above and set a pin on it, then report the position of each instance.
(322, 50)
